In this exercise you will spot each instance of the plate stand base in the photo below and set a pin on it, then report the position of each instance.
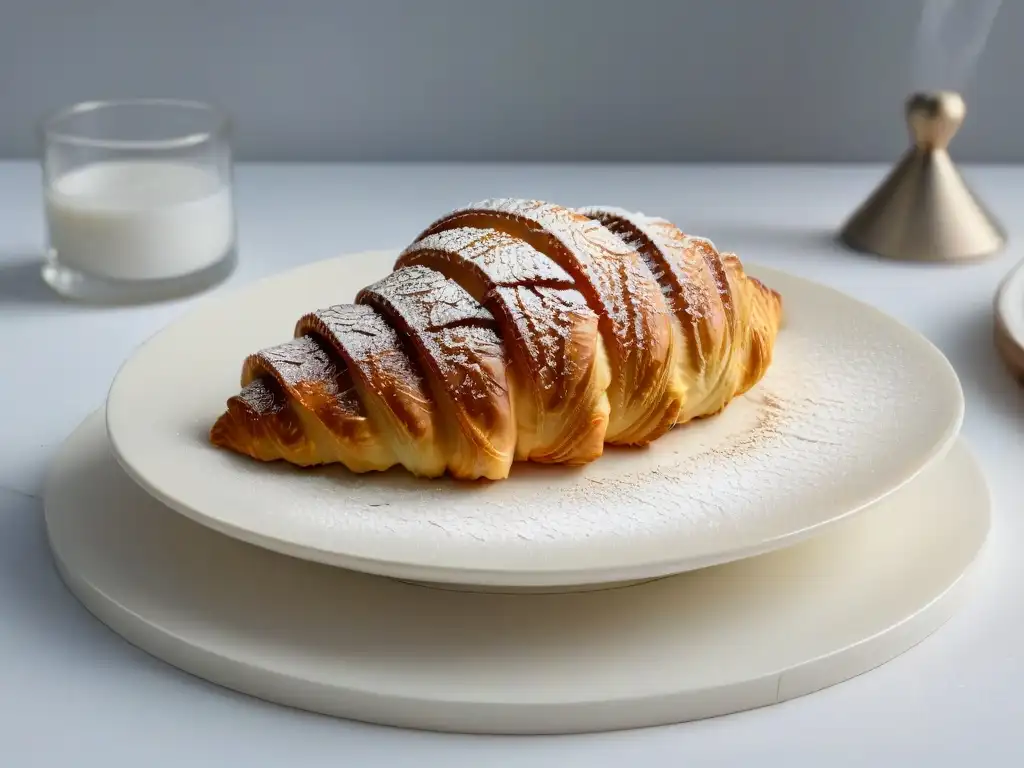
(705, 643)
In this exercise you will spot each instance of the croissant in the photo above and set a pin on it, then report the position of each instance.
(511, 330)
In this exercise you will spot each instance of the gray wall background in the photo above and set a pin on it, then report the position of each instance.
(575, 80)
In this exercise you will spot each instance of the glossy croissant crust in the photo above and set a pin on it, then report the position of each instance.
(511, 330)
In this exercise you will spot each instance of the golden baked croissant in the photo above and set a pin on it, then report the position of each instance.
(511, 330)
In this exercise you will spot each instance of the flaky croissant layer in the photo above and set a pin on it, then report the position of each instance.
(511, 330)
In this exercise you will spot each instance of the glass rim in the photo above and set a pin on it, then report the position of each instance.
(220, 123)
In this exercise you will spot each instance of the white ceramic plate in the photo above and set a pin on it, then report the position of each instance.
(700, 644)
(854, 406)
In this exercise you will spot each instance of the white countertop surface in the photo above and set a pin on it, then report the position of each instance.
(73, 693)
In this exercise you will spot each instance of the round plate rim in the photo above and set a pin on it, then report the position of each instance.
(534, 577)
(1009, 320)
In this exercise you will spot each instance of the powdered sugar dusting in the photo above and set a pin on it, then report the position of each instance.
(707, 251)
(318, 382)
(553, 328)
(454, 334)
(297, 361)
(363, 333)
(429, 300)
(695, 292)
(471, 360)
(261, 397)
(505, 260)
(547, 326)
(615, 280)
(375, 354)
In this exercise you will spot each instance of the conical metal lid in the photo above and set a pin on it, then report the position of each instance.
(924, 210)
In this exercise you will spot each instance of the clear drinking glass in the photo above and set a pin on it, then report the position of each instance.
(138, 199)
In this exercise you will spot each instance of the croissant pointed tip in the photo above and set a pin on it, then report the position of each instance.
(225, 434)
(240, 427)
(220, 432)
